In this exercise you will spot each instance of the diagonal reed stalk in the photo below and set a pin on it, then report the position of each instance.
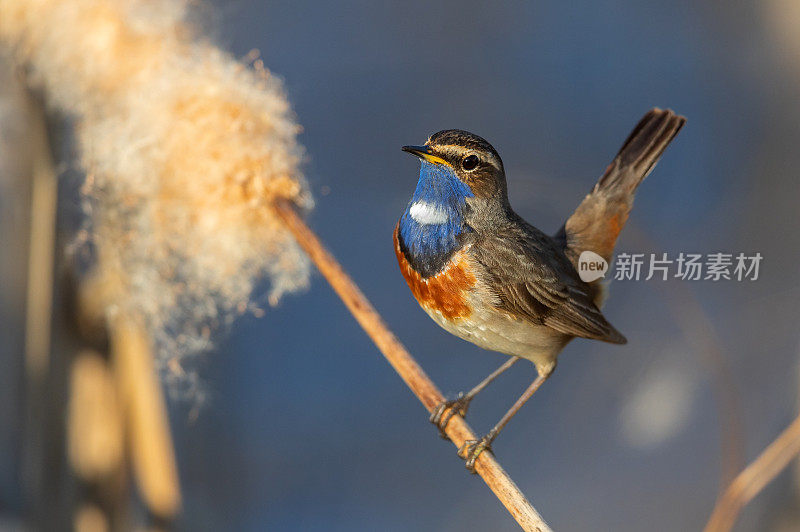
(415, 378)
(754, 478)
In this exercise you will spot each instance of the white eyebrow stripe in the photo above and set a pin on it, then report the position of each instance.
(428, 213)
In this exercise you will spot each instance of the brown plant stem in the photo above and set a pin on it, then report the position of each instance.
(415, 378)
(149, 439)
(754, 478)
(41, 466)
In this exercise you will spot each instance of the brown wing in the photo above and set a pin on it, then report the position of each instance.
(533, 280)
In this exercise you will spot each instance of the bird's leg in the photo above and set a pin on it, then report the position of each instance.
(446, 409)
(471, 449)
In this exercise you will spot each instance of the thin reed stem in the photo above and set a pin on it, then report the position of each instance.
(149, 439)
(415, 378)
(754, 478)
(41, 417)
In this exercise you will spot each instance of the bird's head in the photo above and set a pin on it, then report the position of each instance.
(461, 189)
(454, 154)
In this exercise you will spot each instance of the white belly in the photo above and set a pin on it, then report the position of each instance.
(498, 331)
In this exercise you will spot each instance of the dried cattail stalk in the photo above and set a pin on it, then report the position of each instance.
(183, 146)
(90, 518)
(754, 478)
(149, 439)
(94, 420)
(412, 374)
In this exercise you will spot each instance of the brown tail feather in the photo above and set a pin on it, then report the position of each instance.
(597, 221)
(641, 150)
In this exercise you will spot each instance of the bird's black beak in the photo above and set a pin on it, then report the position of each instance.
(425, 153)
(419, 151)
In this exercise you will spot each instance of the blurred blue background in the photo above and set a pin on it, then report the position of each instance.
(307, 426)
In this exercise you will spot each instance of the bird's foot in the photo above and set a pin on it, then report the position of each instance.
(472, 449)
(446, 409)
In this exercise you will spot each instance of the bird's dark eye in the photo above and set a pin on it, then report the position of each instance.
(470, 162)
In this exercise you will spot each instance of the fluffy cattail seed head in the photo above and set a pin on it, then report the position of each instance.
(183, 147)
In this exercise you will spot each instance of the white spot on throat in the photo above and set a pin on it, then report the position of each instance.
(428, 213)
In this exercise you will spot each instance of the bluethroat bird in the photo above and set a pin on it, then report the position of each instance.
(486, 275)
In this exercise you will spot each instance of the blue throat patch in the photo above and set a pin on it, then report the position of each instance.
(428, 247)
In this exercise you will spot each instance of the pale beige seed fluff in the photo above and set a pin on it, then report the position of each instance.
(183, 147)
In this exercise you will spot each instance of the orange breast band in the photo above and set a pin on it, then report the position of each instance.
(446, 291)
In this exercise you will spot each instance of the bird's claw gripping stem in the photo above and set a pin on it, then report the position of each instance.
(446, 409)
(472, 449)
